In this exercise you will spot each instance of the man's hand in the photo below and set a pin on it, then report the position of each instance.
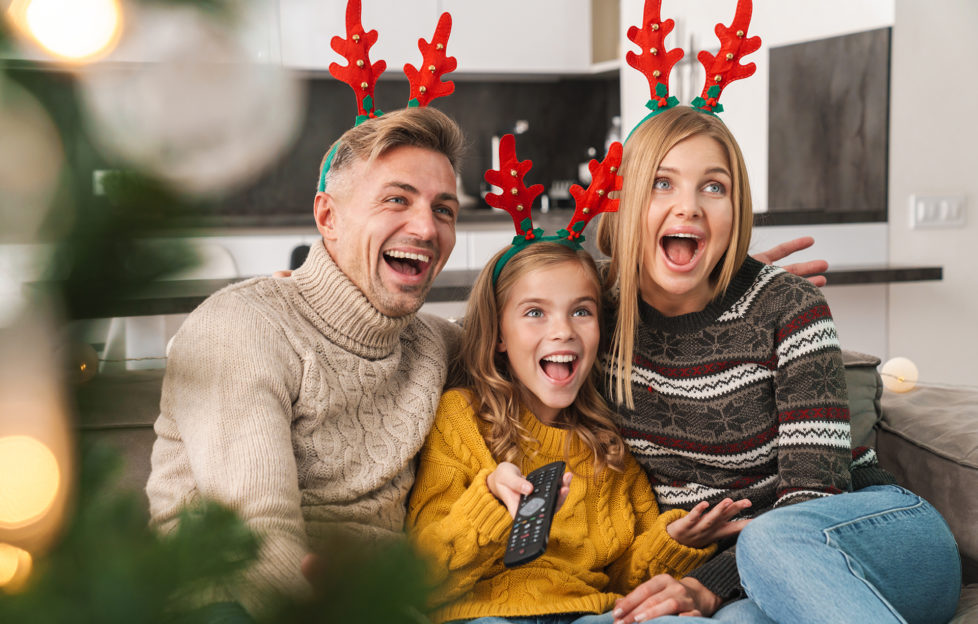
(286, 273)
(699, 529)
(808, 270)
(507, 484)
(664, 595)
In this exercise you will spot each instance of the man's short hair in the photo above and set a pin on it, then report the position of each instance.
(427, 128)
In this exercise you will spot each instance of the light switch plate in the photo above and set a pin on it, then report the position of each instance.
(937, 211)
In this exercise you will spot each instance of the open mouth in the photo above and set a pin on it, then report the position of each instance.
(406, 262)
(681, 249)
(559, 367)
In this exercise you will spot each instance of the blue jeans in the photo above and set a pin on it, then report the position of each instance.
(880, 555)
(556, 618)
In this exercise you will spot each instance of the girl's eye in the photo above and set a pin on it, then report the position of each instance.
(582, 312)
(534, 313)
(661, 185)
(715, 187)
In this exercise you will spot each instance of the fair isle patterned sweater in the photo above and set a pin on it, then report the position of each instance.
(746, 398)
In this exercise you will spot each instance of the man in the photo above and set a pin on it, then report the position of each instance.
(301, 402)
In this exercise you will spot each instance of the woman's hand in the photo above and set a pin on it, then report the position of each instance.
(808, 270)
(699, 529)
(507, 484)
(664, 595)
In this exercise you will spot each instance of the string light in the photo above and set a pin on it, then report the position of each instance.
(899, 374)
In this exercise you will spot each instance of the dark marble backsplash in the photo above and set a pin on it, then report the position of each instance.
(565, 117)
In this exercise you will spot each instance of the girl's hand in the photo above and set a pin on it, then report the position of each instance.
(699, 529)
(507, 484)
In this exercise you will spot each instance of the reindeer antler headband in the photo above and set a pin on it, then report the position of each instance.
(361, 74)
(516, 199)
(656, 62)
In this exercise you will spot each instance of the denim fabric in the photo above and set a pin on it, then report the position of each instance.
(881, 554)
(557, 618)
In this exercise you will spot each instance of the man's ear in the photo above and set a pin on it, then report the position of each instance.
(324, 211)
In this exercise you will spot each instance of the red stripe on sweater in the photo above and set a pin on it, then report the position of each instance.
(815, 413)
(700, 370)
(678, 444)
(803, 320)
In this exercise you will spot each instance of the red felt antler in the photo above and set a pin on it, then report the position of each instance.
(604, 179)
(515, 198)
(724, 67)
(654, 60)
(426, 83)
(360, 74)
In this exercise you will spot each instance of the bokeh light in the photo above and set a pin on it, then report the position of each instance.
(29, 480)
(75, 30)
(31, 161)
(201, 116)
(15, 567)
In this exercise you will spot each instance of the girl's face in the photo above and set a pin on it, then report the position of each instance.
(549, 331)
(687, 227)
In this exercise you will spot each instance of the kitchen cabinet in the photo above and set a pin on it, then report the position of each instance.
(307, 26)
(521, 36)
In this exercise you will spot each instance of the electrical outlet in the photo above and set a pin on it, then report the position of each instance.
(937, 211)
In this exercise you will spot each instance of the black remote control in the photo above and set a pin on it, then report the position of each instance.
(531, 527)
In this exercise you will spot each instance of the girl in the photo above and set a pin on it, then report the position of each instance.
(529, 345)
(729, 381)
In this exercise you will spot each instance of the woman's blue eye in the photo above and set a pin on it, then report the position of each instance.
(661, 184)
(715, 187)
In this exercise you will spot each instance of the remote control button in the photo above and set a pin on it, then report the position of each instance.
(532, 506)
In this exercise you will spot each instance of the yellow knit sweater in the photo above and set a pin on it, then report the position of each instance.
(606, 539)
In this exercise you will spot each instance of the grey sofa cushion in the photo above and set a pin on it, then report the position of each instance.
(865, 387)
(928, 439)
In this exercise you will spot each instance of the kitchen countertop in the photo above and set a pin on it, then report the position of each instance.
(181, 296)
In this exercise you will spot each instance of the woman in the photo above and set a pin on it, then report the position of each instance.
(729, 382)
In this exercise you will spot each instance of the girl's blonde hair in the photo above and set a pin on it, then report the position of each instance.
(621, 235)
(496, 393)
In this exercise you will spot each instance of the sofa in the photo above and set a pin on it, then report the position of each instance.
(927, 438)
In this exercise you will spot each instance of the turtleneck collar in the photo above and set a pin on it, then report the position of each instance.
(342, 312)
(694, 321)
(551, 440)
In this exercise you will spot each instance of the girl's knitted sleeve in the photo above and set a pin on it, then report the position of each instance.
(653, 550)
(453, 519)
(814, 444)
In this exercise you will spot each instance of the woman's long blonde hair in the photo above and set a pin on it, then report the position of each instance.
(496, 394)
(621, 234)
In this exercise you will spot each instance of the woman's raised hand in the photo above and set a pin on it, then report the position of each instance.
(507, 484)
(809, 270)
(699, 528)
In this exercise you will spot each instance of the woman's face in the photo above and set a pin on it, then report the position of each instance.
(687, 227)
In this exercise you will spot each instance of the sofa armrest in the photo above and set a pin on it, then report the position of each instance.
(928, 439)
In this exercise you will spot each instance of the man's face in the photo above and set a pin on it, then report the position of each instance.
(390, 225)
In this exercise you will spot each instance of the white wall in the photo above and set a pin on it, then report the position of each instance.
(934, 150)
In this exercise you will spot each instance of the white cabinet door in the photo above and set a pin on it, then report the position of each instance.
(307, 26)
(520, 36)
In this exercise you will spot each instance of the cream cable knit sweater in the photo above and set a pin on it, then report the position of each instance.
(299, 405)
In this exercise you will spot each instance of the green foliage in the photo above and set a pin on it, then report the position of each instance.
(364, 583)
(110, 567)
